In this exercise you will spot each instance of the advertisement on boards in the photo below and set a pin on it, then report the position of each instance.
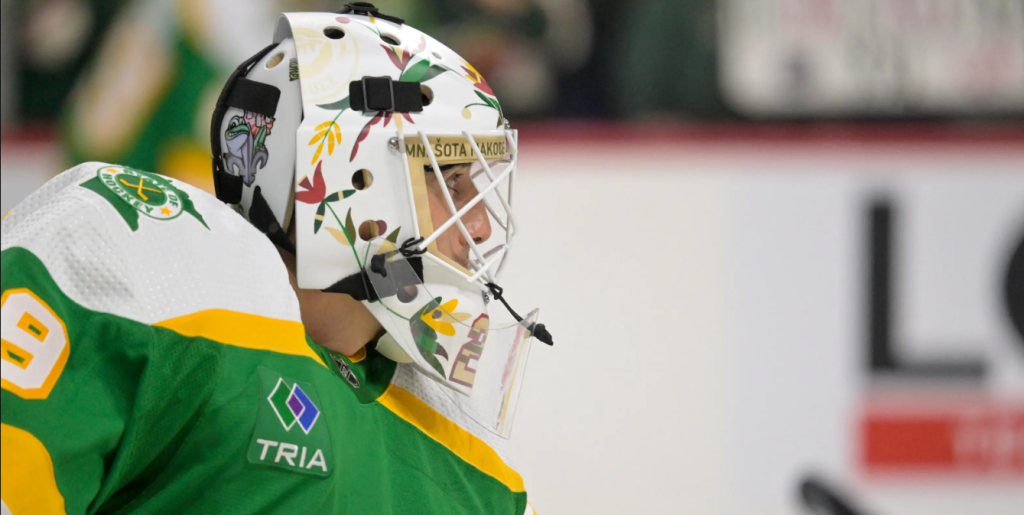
(872, 57)
(880, 334)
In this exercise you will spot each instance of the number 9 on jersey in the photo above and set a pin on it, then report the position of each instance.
(33, 345)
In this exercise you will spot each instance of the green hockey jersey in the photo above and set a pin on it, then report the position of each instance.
(154, 362)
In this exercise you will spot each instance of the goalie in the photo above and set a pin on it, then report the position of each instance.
(165, 351)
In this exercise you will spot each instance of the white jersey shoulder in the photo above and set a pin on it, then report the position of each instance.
(148, 248)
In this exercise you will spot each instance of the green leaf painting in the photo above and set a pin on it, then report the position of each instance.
(321, 210)
(319, 221)
(340, 195)
(393, 237)
(340, 105)
(492, 102)
(347, 234)
(422, 72)
(350, 228)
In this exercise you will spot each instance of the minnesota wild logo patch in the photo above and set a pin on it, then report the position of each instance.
(134, 192)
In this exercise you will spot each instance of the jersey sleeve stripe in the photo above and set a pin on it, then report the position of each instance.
(28, 483)
(463, 444)
(246, 331)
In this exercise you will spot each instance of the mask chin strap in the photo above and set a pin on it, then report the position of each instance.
(394, 279)
(539, 331)
(262, 217)
(391, 279)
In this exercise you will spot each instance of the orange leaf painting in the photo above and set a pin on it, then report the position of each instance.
(339, 235)
(329, 134)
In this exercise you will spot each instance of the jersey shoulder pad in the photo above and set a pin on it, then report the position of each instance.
(148, 248)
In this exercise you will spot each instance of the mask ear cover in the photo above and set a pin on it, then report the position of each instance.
(263, 91)
(248, 95)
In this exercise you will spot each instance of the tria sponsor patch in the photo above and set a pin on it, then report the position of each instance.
(289, 433)
(289, 454)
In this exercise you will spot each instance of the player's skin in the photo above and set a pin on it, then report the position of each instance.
(344, 325)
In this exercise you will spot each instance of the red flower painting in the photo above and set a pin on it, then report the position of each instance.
(477, 79)
(315, 192)
(400, 60)
(401, 57)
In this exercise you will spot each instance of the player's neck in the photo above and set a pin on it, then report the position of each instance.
(332, 320)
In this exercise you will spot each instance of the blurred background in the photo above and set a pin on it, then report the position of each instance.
(775, 239)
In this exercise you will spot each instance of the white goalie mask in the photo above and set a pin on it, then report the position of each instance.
(393, 158)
